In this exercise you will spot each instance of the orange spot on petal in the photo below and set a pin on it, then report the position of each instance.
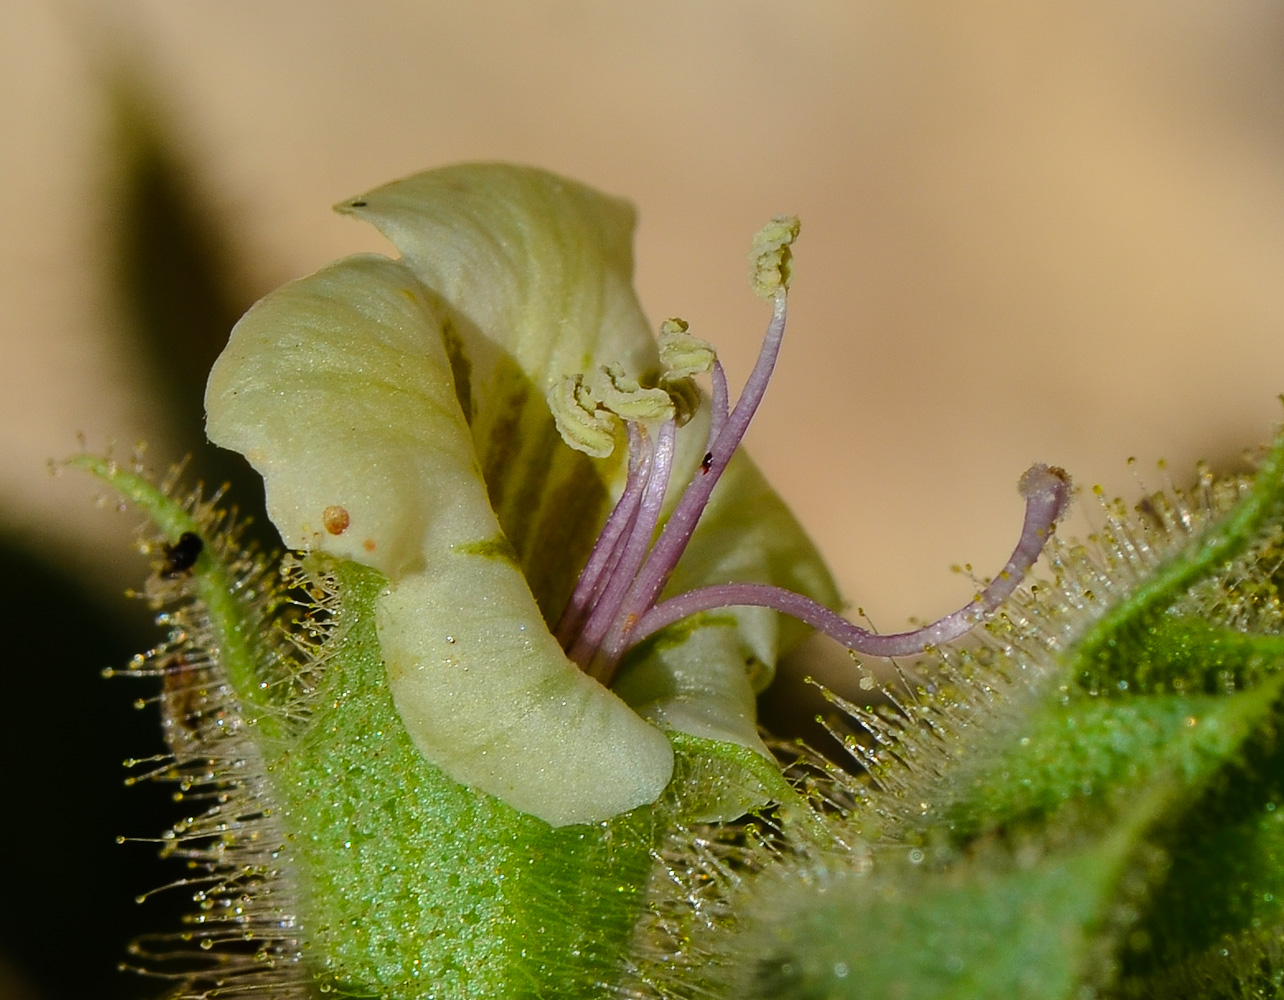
(336, 520)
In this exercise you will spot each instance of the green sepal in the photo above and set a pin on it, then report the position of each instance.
(717, 781)
(1110, 650)
(419, 886)
(1221, 900)
(1079, 762)
(1038, 911)
(240, 616)
(1185, 653)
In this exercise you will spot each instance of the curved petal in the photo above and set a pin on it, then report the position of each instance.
(533, 277)
(539, 265)
(332, 387)
(338, 389)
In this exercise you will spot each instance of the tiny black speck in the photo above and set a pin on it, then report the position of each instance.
(706, 463)
(181, 556)
(358, 204)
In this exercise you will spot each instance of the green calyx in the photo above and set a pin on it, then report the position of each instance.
(1105, 821)
(419, 886)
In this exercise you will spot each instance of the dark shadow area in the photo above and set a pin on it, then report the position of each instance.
(70, 885)
(170, 275)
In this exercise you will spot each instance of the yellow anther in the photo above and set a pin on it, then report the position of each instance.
(681, 354)
(622, 395)
(771, 257)
(580, 421)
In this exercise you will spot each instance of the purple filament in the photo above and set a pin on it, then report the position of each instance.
(613, 606)
(610, 543)
(718, 415)
(654, 481)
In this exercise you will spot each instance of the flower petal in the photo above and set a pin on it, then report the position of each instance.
(333, 389)
(533, 277)
(338, 388)
(539, 265)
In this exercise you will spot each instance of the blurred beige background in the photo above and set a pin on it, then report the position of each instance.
(1031, 231)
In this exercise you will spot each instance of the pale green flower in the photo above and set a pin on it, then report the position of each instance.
(410, 396)
(399, 411)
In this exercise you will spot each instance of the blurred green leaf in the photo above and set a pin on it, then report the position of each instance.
(170, 272)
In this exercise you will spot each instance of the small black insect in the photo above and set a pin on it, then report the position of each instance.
(706, 463)
(181, 556)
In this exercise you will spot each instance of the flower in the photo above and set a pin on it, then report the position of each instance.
(453, 419)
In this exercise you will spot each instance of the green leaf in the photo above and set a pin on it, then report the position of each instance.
(974, 931)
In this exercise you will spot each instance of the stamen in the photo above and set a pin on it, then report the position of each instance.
(771, 257)
(613, 607)
(621, 394)
(677, 531)
(588, 409)
(683, 355)
(580, 420)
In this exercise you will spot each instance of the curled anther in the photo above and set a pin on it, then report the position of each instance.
(622, 395)
(580, 421)
(588, 409)
(771, 256)
(683, 355)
